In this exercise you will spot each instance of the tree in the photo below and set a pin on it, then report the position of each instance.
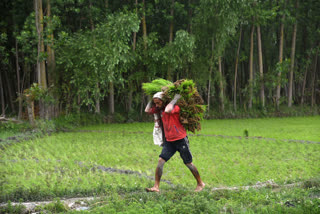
(4, 63)
(40, 61)
(260, 67)
(169, 74)
(280, 54)
(251, 68)
(18, 81)
(3, 109)
(41, 68)
(51, 62)
(178, 53)
(313, 95)
(236, 72)
(293, 51)
(217, 20)
(260, 13)
(101, 63)
(130, 82)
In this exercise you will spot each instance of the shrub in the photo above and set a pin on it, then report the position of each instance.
(56, 207)
(45, 126)
(13, 209)
(118, 118)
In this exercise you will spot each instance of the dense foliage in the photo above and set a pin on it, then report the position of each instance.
(93, 56)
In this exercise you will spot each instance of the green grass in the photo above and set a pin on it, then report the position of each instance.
(182, 201)
(290, 128)
(10, 129)
(67, 165)
(50, 166)
(6, 134)
(293, 128)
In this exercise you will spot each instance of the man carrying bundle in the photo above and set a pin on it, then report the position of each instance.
(175, 138)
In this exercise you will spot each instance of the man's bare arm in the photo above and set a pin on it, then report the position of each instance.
(170, 106)
(149, 106)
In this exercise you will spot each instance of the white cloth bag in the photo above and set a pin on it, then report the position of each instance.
(157, 131)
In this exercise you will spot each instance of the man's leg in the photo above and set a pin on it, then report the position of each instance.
(185, 153)
(158, 175)
(195, 172)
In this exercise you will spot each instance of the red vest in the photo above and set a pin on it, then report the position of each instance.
(173, 128)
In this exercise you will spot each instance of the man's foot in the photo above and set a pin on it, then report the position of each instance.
(200, 187)
(152, 189)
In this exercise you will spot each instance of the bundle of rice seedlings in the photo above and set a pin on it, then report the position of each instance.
(190, 103)
(155, 86)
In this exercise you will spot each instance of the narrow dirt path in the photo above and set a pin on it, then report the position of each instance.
(72, 203)
(259, 185)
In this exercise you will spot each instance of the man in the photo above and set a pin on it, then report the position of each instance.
(175, 139)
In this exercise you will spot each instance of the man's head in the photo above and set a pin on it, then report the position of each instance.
(157, 99)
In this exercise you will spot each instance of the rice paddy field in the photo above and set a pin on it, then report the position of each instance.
(116, 162)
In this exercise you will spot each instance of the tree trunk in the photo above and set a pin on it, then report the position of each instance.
(10, 92)
(144, 29)
(189, 29)
(304, 85)
(221, 96)
(51, 63)
(313, 95)
(90, 17)
(280, 57)
(251, 68)
(41, 69)
(144, 25)
(142, 104)
(171, 23)
(190, 17)
(41, 63)
(18, 82)
(242, 80)
(30, 109)
(236, 72)
(129, 101)
(129, 105)
(210, 74)
(260, 66)
(293, 51)
(169, 74)
(135, 33)
(3, 106)
(79, 104)
(111, 98)
(97, 95)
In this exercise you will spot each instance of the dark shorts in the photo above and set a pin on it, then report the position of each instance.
(182, 146)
